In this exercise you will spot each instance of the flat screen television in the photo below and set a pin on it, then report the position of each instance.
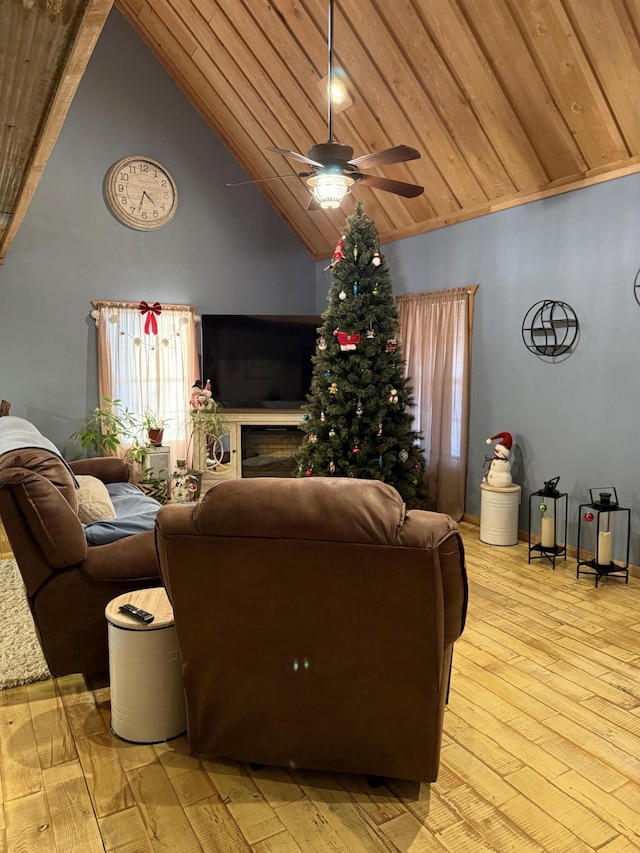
(258, 361)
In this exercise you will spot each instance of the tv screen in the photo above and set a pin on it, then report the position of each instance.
(256, 361)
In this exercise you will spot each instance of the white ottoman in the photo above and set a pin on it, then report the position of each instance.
(145, 669)
(499, 514)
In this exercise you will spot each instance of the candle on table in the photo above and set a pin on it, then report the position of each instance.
(547, 532)
(604, 548)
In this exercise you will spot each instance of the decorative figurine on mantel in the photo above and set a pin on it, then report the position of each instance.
(202, 398)
(499, 471)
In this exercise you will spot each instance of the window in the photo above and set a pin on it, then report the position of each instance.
(148, 359)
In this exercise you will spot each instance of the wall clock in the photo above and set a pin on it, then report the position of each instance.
(140, 193)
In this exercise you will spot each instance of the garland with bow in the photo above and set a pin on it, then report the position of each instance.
(149, 311)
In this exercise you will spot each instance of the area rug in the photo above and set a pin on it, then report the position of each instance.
(21, 659)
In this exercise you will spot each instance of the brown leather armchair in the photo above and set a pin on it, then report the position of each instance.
(68, 583)
(316, 621)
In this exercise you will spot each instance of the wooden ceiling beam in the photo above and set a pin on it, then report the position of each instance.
(90, 25)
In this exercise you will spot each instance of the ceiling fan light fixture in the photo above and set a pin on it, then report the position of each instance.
(329, 188)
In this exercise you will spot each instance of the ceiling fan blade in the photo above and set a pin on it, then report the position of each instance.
(270, 178)
(295, 156)
(397, 187)
(397, 154)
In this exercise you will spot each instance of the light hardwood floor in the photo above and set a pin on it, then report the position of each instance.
(541, 749)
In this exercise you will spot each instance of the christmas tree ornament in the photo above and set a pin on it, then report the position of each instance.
(327, 373)
(418, 466)
(359, 408)
(308, 472)
(370, 334)
(305, 417)
(380, 462)
(338, 255)
(379, 429)
(356, 449)
(355, 253)
(322, 416)
(355, 288)
(342, 295)
(332, 433)
(391, 345)
(588, 516)
(403, 455)
(375, 260)
(542, 508)
(375, 290)
(322, 343)
(348, 342)
(312, 438)
(332, 466)
(333, 388)
(393, 395)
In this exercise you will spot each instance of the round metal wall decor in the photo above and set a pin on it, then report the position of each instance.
(550, 328)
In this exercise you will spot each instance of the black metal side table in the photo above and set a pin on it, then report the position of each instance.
(612, 526)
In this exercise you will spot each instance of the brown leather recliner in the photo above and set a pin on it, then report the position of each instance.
(68, 583)
(316, 621)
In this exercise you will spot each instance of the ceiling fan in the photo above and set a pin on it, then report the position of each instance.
(334, 170)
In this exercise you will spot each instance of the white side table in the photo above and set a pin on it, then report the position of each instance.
(499, 514)
(145, 669)
(158, 463)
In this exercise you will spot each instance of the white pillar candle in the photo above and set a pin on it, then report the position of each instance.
(547, 532)
(604, 548)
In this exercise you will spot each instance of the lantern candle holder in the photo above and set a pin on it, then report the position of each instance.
(603, 531)
(548, 523)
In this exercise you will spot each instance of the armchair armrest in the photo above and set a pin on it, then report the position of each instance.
(133, 557)
(109, 469)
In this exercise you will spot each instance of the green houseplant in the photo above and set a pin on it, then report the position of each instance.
(205, 434)
(111, 426)
(107, 427)
(154, 427)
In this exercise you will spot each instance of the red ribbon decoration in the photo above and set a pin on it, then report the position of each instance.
(150, 324)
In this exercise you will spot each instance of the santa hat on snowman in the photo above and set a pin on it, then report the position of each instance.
(499, 471)
(503, 448)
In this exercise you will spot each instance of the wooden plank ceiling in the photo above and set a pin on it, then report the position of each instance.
(507, 101)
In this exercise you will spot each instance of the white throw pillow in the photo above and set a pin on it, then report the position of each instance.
(94, 503)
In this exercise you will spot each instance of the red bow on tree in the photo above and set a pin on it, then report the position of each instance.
(150, 324)
(348, 342)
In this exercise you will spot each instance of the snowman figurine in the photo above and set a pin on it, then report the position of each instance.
(499, 470)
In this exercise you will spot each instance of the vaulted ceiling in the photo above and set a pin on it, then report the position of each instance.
(507, 101)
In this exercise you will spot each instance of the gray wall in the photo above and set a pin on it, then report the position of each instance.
(226, 251)
(577, 418)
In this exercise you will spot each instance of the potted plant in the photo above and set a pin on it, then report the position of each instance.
(205, 434)
(111, 426)
(154, 426)
(107, 428)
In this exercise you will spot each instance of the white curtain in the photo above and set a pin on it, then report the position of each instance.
(148, 359)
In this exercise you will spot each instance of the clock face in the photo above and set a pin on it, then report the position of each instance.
(141, 193)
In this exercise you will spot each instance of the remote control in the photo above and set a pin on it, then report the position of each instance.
(137, 613)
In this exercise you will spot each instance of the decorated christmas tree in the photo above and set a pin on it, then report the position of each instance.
(357, 421)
